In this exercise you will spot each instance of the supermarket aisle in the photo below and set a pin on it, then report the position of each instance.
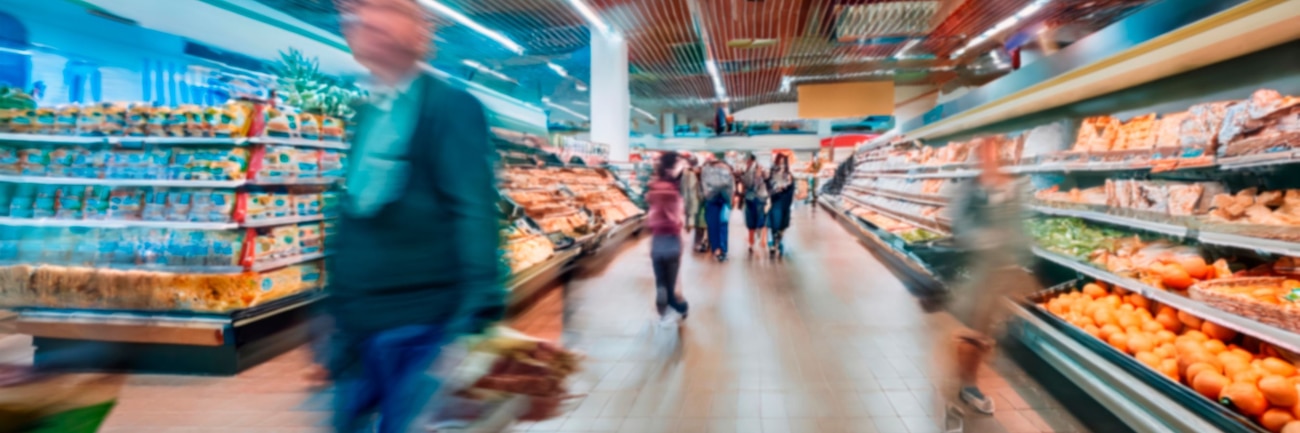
(824, 341)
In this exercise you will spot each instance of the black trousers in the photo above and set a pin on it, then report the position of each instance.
(666, 258)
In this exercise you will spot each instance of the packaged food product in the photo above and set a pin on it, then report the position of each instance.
(159, 119)
(179, 205)
(72, 201)
(10, 163)
(115, 118)
(307, 204)
(1201, 126)
(23, 121)
(233, 121)
(331, 128)
(309, 126)
(44, 121)
(155, 204)
(7, 191)
(35, 161)
(98, 202)
(90, 120)
(1234, 125)
(68, 161)
(23, 201)
(280, 123)
(65, 119)
(139, 117)
(1138, 133)
(310, 238)
(225, 247)
(126, 203)
(1097, 134)
(332, 163)
(46, 202)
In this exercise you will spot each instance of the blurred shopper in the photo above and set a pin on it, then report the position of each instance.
(754, 183)
(780, 184)
(416, 262)
(665, 223)
(987, 223)
(690, 190)
(719, 183)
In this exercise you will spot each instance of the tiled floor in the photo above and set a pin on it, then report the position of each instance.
(825, 340)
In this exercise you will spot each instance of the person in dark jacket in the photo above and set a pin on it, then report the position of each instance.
(665, 224)
(718, 181)
(780, 185)
(415, 261)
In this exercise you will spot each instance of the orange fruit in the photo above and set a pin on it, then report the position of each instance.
(1138, 301)
(1244, 397)
(1165, 351)
(1127, 320)
(1291, 427)
(1275, 419)
(1149, 359)
(1165, 337)
(1214, 346)
(1209, 384)
(1152, 326)
(1093, 290)
(1189, 320)
(1186, 346)
(1279, 390)
(1218, 332)
(1232, 366)
(1169, 368)
(1250, 376)
(1107, 330)
(1196, 335)
(1104, 317)
(1140, 343)
(1169, 322)
(1119, 340)
(1128, 307)
(1198, 368)
(1278, 366)
(1092, 330)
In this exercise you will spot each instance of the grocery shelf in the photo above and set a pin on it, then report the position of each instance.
(932, 225)
(49, 180)
(1134, 401)
(296, 181)
(1259, 160)
(180, 141)
(1276, 336)
(899, 195)
(269, 222)
(53, 222)
(50, 139)
(324, 144)
(1151, 226)
(287, 261)
(1250, 243)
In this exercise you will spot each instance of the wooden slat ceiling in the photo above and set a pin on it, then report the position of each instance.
(814, 39)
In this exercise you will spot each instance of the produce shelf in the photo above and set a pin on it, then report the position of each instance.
(932, 225)
(52, 222)
(47, 180)
(287, 261)
(269, 222)
(296, 181)
(916, 277)
(1151, 226)
(1276, 336)
(324, 144)
(1259, 160)
(50, 139)
(179, 141)
(898, 195)
(1250, 243)
(1116, 381)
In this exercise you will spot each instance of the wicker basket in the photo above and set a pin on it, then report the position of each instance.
(1213, 293)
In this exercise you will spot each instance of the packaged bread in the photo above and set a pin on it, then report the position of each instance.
(65, 119)
(1201, 126)
(90, 120)
(309, 126)
(138, 116)
(1138, 133)
(331, 128)
(44, 122)
(159, 118)
(1167, 130)
(1097, 134)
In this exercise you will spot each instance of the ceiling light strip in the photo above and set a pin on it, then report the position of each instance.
(1002, 26)
(644, 113)
(593, 18)
(566, 110)
(902, 52)
(460, 18)
(486, 70)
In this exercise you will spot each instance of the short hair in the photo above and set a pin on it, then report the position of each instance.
(667, 161)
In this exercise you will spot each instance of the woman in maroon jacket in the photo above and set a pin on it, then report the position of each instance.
(665, 223)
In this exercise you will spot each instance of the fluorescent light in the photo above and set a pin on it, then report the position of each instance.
(558, 69)
(644, 113)
(902, 52)
(590, 14)
(717, 79)
(565, 109)
(1002, 26)
(15, 51)
(581, 87)
(785, 83)
(484, 69)
(458, 17)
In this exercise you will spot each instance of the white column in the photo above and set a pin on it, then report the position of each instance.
(823, 128)
(610, 97)
(667, 123)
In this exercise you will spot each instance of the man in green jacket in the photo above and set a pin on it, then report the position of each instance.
(415, 260)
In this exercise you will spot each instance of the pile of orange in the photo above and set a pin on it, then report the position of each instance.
(1201, 354)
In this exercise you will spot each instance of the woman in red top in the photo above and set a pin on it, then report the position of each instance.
(665, 224)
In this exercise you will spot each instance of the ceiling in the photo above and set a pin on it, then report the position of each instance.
(669, 42)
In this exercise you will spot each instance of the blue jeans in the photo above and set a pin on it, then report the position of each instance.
(395, 380)
(717, 229)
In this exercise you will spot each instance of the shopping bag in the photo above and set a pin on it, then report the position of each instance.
(68, 403)
(725, 216)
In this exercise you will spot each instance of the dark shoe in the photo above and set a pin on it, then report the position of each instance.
(977, 400)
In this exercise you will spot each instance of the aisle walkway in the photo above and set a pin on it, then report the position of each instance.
(825, 340)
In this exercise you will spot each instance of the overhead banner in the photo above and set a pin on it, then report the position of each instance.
(846, 99)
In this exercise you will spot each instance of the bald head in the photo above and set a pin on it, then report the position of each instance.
(389, 37)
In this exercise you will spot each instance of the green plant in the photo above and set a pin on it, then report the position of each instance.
(13, 97)
(301, 84)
